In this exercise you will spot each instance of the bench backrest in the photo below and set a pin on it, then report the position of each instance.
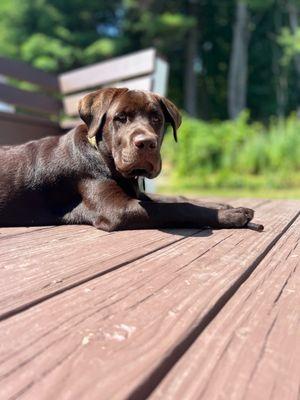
(27, 114)
(141, 70)
(49, 104)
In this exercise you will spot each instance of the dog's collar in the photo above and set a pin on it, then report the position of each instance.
(141, 184)
(92, 141)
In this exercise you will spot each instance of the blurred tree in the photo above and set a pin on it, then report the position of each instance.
(238, 71)
(223, 56)
(164, 25)
(293, 13)
(192, 61)
(58, 35)
(249, 14)
(289, 39)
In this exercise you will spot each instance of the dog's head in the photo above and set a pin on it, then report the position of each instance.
(131, 124)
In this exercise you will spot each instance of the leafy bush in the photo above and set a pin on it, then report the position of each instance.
(235, 154)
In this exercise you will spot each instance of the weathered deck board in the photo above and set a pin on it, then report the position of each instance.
(251, 349)
(13, 231)
(24, 280)
(53, 260)
(120, 333)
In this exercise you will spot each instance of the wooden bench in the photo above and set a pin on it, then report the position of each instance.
(180, 314)
(47, 104)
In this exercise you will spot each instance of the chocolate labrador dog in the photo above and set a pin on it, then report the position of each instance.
(90, 175)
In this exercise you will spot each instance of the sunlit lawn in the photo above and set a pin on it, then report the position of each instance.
(232, 193)
(169, 188)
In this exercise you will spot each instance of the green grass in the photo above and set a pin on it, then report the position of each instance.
(228, 192)
(234, 158)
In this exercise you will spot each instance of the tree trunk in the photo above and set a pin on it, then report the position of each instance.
(190, 75)
(144, 5)
(238, 68)
(293, 18)
(281, 83)
(280, 72)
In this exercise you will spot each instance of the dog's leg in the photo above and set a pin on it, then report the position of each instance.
(110, 208)
(181, 199)
(135, 214)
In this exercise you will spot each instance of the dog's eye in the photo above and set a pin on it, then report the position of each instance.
(121, 118)
(155, 118)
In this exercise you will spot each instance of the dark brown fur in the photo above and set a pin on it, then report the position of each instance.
(67, 180)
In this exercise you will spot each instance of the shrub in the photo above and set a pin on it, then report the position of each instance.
(236, 153)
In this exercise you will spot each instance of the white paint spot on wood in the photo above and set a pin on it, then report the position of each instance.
(86, 339)
(127, 328)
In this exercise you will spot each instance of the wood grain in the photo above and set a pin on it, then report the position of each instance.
(25, 72)
(251, 349)
(21, 230)
(26, 282)
(117, 335)
(71, 102)
(17, 128)
(120, 68)
(27, 100)
(69, 255)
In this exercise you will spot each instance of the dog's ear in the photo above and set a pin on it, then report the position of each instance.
(171, 113)
(93, 108)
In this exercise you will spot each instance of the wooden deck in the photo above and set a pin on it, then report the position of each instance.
(181, 314)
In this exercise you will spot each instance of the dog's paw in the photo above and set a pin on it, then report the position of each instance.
(235, 217)
(221, 206)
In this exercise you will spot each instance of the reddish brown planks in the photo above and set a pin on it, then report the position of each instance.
(43, 262)
(25, 99)
(18, 128)
(25, 72)
(119, 68)
(120, 333)
(251, 349)
(22, 230)
(26, 280)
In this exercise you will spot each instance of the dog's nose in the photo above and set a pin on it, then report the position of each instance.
(145, 142)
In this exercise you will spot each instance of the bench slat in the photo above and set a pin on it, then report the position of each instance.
(29, 100)
(71, 101)
(25, 72)
(120, 68)
(251, 349)
(117, 335)
(19, 128)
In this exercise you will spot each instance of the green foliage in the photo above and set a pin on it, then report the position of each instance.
(235, 153)
(100, 49)
(57, 35)
(290, 42)
(56, 55)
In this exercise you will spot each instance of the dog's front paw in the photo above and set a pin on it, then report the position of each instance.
(235, 217)
(221, 206)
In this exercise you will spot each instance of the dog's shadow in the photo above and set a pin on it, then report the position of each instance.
(205, 232)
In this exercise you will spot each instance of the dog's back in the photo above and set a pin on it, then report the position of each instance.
(31, 177)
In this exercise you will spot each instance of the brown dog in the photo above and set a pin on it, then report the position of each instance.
(90, 175)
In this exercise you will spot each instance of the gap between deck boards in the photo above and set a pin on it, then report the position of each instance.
(22, 307)
(41, 299)
(145, 389)
(155, 377)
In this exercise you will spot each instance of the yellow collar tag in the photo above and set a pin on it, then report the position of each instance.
(92, 141)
